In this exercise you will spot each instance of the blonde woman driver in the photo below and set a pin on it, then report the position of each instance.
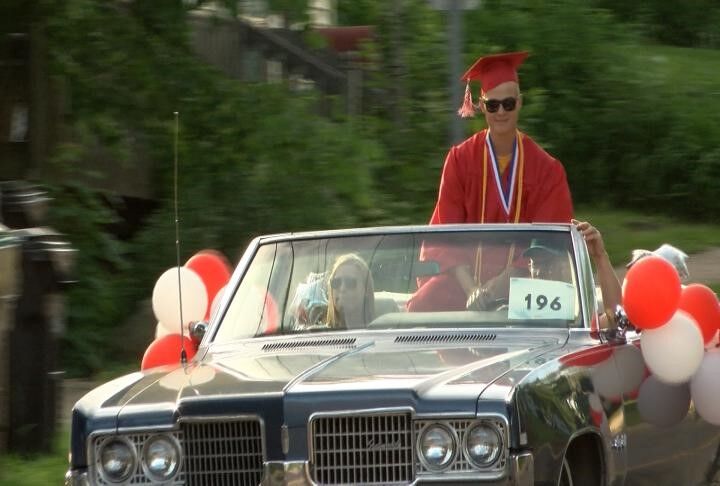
(351, 298)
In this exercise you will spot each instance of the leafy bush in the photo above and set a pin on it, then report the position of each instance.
(251, 159)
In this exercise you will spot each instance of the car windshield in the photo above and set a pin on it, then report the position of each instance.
(452, 279)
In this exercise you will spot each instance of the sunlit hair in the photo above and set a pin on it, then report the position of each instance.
(335, 319)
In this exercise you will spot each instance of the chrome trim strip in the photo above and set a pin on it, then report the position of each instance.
(297, 473)
(281, 473)
(74, 477)
(410, 229)
(522, 469)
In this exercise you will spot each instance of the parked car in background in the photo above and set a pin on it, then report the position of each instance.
(355, 357)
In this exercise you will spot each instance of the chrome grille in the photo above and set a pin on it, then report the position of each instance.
(366, 449)
(227, 452)
(218, 452)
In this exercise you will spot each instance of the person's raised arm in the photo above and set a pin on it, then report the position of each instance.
(608, 280)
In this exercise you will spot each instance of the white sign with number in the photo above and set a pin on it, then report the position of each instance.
(541, 299)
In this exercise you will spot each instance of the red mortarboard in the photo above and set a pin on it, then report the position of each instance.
(491, 71)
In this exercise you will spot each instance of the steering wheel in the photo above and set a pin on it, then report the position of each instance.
(480, 300)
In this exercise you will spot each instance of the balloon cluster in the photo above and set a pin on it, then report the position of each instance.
(679, 330)
(202, 280)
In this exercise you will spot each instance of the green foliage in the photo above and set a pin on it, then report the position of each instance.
(294, 11)
(96, 302)
(359, 12)
(611, 111)
(625, 230)
(407, 107)
(624, 119)
(32, 471)
(251, 158)
(692, 23)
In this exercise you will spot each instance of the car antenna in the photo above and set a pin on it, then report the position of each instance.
(183, 353)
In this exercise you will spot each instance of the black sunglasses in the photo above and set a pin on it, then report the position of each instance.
(350, 283)
(493, 105)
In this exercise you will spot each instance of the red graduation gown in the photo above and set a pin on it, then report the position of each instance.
(544, 198)
(469, 194)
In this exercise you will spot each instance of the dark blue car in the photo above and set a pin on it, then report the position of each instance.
(357, 357)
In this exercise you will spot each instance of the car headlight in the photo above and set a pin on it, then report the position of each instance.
(161, 458)
(437, 446)
(483, 445)
(116, 459)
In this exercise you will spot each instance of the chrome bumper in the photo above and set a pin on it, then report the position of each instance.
(76, 478)
(521, 472)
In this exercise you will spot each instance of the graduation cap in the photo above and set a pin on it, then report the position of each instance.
(491, 71)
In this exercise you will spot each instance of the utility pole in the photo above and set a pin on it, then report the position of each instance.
(454, 25)
(453, 9)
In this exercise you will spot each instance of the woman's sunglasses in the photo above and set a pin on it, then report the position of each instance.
(493, 105)
(349, 283)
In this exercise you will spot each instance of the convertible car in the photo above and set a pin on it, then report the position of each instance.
(401, 355)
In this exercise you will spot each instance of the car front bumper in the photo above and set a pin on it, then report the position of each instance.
(296, 473)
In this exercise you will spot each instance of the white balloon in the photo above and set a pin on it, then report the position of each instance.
(663, 404)
(631, 367)
(621, 374)
(705, 387)
(166, 298)
(673, 352)
(161, 330)
(606, 380)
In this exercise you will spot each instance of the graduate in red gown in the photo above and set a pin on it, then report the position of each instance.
(498, 175)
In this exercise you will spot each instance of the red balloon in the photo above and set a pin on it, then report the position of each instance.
(651, 292)
(702, 304)
(166, 351)
(214, 270)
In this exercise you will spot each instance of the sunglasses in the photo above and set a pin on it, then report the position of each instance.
(349, 283)
(493, 105)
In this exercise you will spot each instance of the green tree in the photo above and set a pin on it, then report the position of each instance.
(253, 158)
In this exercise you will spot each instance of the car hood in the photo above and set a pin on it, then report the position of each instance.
(344, 366)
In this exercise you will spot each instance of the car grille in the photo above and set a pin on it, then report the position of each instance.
(228, 452)
(367, 449)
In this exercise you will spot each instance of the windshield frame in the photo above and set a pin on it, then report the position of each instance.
(582, 268)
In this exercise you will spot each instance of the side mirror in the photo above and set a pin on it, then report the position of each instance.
(198, 330)
(616, 335)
